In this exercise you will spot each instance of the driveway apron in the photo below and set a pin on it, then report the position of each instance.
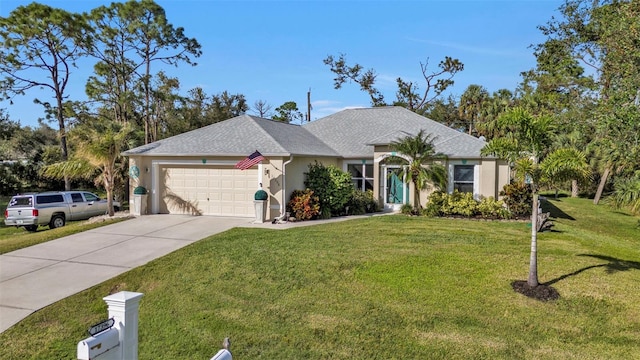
(37, 276)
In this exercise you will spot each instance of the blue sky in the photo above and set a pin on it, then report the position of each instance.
(273, 50)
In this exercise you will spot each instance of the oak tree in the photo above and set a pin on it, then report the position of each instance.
(408, 94)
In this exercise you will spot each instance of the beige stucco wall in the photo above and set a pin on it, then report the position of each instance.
(273, 177)
(144, 179)
(504, 175)
(494, 174)
(296, 169)
(488, 175)
(378, 151)
(270, 170)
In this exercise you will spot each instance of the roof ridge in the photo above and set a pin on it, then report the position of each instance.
(459, 134)
(301, 127)
(255, 121)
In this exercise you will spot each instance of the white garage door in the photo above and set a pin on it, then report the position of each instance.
(210, 190)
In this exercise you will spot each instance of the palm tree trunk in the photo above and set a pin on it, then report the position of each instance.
(533, 259)
(603, 181)
(574, 188)
(416, 196)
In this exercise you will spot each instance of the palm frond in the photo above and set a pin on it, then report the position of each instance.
(565, 164)
(525, 168)
(73, 168)
(627, 194)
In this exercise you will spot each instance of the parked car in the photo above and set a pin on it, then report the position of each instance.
(53, 208)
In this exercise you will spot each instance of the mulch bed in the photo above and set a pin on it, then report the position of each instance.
(540, 292)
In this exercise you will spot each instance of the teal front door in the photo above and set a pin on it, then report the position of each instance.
(395, 188)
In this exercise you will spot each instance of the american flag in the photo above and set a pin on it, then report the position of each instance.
(249, 161)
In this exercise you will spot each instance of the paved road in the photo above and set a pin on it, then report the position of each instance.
(37, 276)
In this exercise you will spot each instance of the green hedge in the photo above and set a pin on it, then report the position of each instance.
(463, 204)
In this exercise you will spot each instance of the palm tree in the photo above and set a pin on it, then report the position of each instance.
(525, 144)
(614, 157)
(471, 105)
(572, 140)
(96, 156)
(498, 103)
(565, 164)
(420, 150)
(626, 194)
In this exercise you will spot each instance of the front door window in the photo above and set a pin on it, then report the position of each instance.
(395, 189)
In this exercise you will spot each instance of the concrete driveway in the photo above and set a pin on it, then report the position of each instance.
(37, 276)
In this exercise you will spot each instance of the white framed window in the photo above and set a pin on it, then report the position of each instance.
(463, 178)
(361, 174)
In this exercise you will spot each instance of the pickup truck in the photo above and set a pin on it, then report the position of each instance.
(53, 208)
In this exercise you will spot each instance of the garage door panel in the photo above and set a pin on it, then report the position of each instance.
(210, 190)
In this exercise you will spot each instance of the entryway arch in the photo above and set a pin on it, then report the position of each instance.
(394, 188)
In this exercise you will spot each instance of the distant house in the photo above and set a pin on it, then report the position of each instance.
(194, 172)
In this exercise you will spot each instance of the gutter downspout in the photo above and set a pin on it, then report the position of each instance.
(283, 207)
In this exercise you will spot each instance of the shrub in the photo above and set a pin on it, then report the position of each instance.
(463, 204)
(362, 202)
(455, 204)
(490, 208)
(433, 206)
(448, 203)
(431, 211)
(332, 186)
(303, 205)
(626, 194)
(407, 209)
(518, 198)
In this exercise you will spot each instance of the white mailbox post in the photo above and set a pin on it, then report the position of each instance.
(116, 338)
(101, 346)
(224, 353)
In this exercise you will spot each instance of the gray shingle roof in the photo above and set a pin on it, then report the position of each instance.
(239, 136)
(348, 134)
(352, 133)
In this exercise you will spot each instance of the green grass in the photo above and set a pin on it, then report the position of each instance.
(14, 238)
(390, 287)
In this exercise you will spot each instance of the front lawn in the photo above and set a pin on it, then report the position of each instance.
(12, 238)
(388, 287)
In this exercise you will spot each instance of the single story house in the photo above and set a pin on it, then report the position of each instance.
(195, 172)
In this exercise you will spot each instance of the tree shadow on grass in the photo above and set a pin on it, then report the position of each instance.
(555, 212)
(612, 266)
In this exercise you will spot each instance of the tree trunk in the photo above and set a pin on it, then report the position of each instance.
(533, 259)
(603, 181)
(416, 197)
(63, 137)
(108, 186)
(574, 188)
